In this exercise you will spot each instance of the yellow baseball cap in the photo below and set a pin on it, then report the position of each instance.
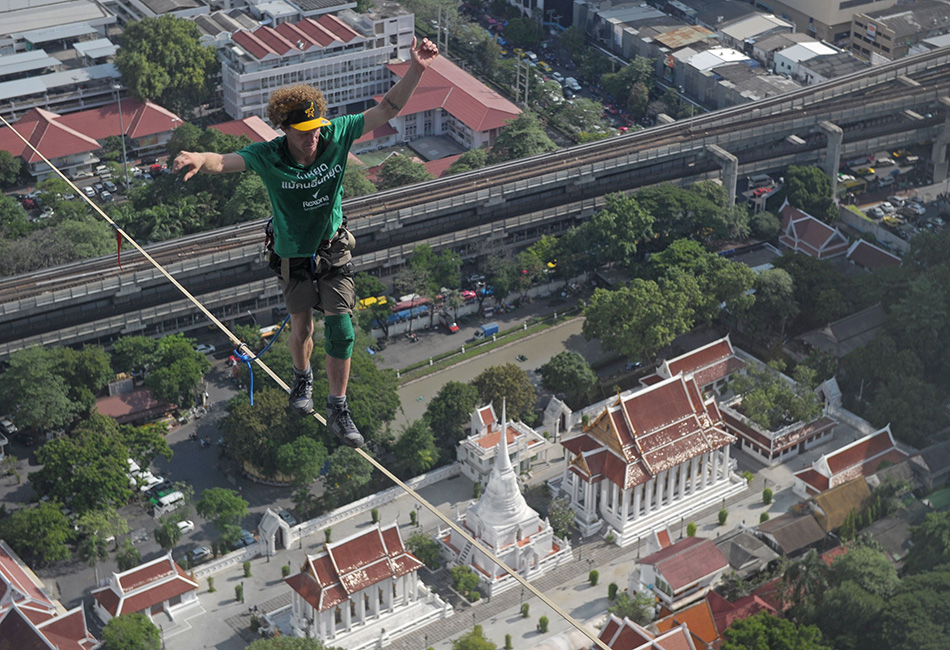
(305, 118)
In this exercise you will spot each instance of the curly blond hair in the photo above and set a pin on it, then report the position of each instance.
(284, 100)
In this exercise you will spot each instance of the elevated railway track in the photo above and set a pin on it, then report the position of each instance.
(896, 104)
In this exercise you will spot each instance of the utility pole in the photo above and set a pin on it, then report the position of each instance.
(522, 64)
(443, 30)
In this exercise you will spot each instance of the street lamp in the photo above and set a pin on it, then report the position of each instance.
(125, 159)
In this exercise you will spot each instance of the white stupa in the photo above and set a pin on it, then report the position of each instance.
(502, 521)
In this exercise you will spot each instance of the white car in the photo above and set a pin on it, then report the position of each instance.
(886, 208)
(205, 348)
(896, 201)
(186, 526)
(8, 427)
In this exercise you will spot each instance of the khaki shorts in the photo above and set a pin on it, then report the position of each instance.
(334, 292)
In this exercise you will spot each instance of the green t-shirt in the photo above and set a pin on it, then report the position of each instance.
(307, 201)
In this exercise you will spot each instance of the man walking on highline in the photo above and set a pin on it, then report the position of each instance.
(303, 174)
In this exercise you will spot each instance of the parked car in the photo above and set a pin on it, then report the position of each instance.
(8, 427)
(106, 196)
(886, 207)
(89, 191)
(886, 181)
(558, 77)
(110, 186)
(205, 348)
(246, 539)
(186, 526)
(198, 554)
(286, 516)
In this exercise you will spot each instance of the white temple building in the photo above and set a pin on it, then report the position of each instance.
(362, 592)
(477, 454)
(502, 521)
(649, 460)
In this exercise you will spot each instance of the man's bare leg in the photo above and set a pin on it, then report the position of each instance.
(338, 375)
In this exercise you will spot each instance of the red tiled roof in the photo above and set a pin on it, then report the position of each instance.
(486, 415)
(698, 618)
(385, 130)
(868, 256)
(804, 233)
(316, 32)
(338, 28)
(44, 131)
(818, 482)
(664, 537)
(860, 452)
(14, 626)
(140, 119)
(493, 436)
(129, 406)
(446, 86)
(687, 561)
(700, 358)
(14, 577)
(440, 166)
(655, 429)
(724, 612)
(352, 565)
(144, 586)
(253, 128)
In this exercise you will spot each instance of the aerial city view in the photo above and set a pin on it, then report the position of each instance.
(509, 324)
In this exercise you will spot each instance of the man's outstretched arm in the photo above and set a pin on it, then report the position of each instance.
(398, 95)
(208, 162)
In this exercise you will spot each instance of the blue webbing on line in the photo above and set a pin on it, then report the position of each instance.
(247, 358)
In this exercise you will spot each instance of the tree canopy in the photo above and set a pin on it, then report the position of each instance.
(569, 373)
(39, 535)
(767, 632)
(509, 384)
(177, 370)
(449, 412)
(416, 449)
(223, 507)
(401, 170)
(131, 632)
(520, 138)
(162, 59)
(809, 189)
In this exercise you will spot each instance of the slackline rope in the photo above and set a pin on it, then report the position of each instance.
(239, 345)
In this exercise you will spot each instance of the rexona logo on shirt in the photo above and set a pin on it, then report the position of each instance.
(314, 178)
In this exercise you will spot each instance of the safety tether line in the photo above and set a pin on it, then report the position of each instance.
(237, 343)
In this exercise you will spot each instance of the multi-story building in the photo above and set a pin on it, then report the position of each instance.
(894, 32)
(477, 453)
(826, 21)
(344, 55)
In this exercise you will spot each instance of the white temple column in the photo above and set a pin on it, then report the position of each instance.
(715, 474)
(725, 461)
(624, 506)
(682, 470)
(347, 617)
(660, 491)
(694, 479)
(361, 606)
(649, 497)
(637, 495)
(320, 621)
(614, 496)
(705, 464)
(388, 597)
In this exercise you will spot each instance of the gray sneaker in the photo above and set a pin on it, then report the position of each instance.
(341, 424)
(301, 394)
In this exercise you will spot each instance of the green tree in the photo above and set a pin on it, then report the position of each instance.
(402, 170)
(347, 477)
(14, 223)
(561, 517)
(618, 231)
(167, 533)
(930, 543)
(771, 401)
(38, 535)
(426, 549)
(9, 168)
(765, 225)
(868, 568)
(915, 618)
(133, 353)
(247, 203)
(439, 269)
(26, 370)
(302, 459)
(637, 607)
(128, 557)
(809, 189)
(520, 138)
(569, 373)
(223, 507)
(288, 643)
(640, 319)
(509, 384)
(767, 632)
(146, 443)
(162, 60)
(450, 411)
(88, 469)
(464, 579)
(775, 302)
(523, 31)
(131, 632)
(356, 182)
(474, 640)
(470, 160)
(804, 584)
(416, 450)
(177, 369)
(97, 530)
(621, 83)
(691, 529)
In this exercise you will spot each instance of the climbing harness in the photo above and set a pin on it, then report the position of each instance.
(241, 346)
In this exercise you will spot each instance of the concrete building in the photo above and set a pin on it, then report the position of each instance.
(647, 460)
(787, 61)
(896, 31)
(502, 521)
(862, 458)
(362, 591)
(345, 56)
(155, 589)
(744, 33)
(51, 24)
(681, 573)
(826, 21)
(477, 454)
(30, 617)
(712, 366)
